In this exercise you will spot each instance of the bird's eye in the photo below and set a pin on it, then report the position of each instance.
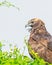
(32, 22)
(41, 25)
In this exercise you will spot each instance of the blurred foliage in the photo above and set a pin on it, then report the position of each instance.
(8, 4)
(14, 57)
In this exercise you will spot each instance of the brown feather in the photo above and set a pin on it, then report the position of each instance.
(40, 40)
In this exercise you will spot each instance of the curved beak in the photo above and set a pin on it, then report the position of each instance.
(26, 25)
(29, 27)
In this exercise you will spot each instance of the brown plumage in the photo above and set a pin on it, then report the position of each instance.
(40, 40)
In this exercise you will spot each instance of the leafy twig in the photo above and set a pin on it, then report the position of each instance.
(8, 4)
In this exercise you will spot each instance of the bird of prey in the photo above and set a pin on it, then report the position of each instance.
(40, 39)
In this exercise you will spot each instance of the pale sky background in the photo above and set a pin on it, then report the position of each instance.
(12, 21)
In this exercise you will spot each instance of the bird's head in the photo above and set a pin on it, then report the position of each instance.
(34, 23)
